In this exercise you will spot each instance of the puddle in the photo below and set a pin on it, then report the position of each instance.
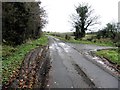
(100, 62)
(52, 46)
(63, 44)
(56, 39)
(95, 58)
(65, 47)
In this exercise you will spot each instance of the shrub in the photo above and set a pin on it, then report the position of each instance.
(67, 37)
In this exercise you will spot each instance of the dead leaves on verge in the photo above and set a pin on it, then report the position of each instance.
(29, 74)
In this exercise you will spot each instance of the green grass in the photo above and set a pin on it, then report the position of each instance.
(111, 55)
(99, 42)
(13, 57)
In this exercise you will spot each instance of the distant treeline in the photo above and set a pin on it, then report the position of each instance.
(22, 21)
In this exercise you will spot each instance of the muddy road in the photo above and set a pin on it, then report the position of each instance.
(71, 69)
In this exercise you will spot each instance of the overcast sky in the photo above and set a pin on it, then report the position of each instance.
(59, 12)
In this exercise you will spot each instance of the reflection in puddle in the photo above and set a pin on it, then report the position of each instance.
(95, 58)
(63, 44)
(52, 46)
(65, 47)
(100, 62)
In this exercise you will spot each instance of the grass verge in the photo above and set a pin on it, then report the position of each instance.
(111, 55)
(100, 42)
(13, 57)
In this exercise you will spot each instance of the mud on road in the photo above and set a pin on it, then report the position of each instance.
(33, 72)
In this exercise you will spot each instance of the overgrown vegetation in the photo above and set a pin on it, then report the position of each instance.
(111, 55)
(83, 20)
(22, 24)
(111, 32)
(13, 56)
(22, 21)
(88, 39)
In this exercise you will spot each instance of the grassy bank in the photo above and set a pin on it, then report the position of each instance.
(111, 55)
(99, 42)
(13, 57)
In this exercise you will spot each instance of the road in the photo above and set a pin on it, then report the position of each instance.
(70, 69)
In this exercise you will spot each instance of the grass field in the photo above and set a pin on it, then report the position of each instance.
(111, 55)
(100, 42)
(13, 57)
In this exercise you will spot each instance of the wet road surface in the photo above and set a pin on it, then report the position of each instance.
(70, 69)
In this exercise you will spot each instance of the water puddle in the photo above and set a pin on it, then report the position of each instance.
(52, 47)
(100, 62)
(62, 44)
(65, 47)
(96, 58)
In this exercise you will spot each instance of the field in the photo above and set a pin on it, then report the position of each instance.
(88, 39)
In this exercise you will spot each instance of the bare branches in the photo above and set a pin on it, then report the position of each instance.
(84, 18)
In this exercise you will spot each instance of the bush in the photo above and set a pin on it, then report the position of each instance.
(117, 44)
(67, 37)
(98, 36)
(89, 39)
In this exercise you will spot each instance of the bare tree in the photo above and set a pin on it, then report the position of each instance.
(83, 19)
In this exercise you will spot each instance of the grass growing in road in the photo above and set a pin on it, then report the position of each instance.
(111, 55)
(13, 57)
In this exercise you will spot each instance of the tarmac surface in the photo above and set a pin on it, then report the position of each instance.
(71, 69)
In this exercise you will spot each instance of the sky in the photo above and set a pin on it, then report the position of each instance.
(59, 12)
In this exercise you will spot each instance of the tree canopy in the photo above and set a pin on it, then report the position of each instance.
(21, 21)
(83, 19)
(108, 32)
